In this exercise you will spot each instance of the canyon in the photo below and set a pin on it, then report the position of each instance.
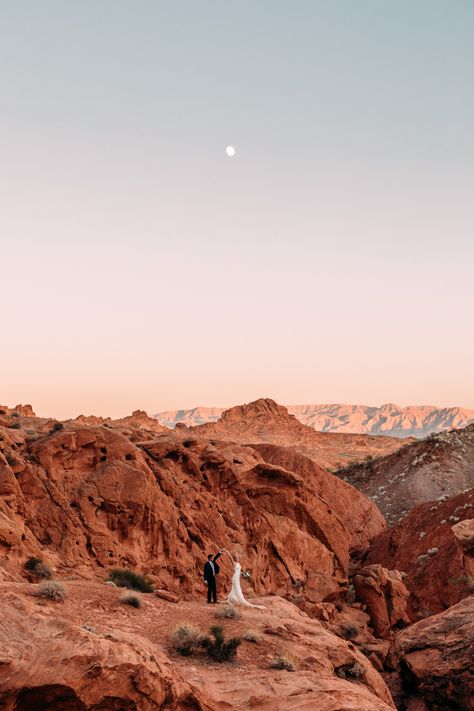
(363, 610)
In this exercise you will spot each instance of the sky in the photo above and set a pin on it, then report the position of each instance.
(330, 260)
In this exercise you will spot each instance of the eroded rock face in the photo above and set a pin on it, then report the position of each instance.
(423, 545)
(51, 663)
(434, 658)
(89, 498)
(385, 596)
(365, 520)
(464, 535)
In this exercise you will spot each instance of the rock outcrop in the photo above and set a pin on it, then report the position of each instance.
(390, 420)
(434, 659)
(385, 596)
(464, 535)
(89, 498)
(434, 469)
(264, 421)
(423, 545)
(93, 653)
(365, 521)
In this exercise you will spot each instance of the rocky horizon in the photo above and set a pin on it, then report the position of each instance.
(388, 419)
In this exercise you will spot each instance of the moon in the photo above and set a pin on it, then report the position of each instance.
(230, 150)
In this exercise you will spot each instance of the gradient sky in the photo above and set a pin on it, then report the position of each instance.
(331, 260)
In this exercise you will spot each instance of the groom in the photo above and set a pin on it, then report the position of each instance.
(211, 569)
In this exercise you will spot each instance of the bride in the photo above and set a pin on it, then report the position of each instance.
(236, 596)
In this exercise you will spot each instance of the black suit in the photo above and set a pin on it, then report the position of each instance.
(210, 578)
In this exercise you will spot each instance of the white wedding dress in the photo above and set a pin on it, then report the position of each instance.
(236, 596)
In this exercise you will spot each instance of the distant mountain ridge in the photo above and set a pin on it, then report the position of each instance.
(389, 419)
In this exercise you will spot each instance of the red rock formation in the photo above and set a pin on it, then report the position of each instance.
(434, 469)
(264, 421)
(51, 663)
(464, 535)
(434, 658)
(365, 520)
(385, 597)
(88, 497)
(423, 546)
(91, 652)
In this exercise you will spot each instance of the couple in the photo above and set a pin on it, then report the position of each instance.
(211, 569)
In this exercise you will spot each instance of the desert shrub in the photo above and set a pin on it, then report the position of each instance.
(350, 671)
(228, 612)
(57, 427)
(217, 647)
(89, 628)
(132, 600)
(51, 590)
(283, 661)
(124, 578)
(11, 460)
(38, 569)
(186, 639)
(15, 414)
(253, 636)
(15, 425)
(349, 631)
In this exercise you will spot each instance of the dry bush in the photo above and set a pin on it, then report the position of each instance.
(228, 612)
(349, 631)
(124, 578)
(132, 600)
(253, 636)
(186, 639)
(51, 590)
(354, 671)
(38, 569)
(284, 661)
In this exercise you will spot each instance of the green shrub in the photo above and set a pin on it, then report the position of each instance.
(228, 612)
(51, 591)
(15, 426)
(57, 427)
(124, 578)
(283, 661)
(38, 569)
(132, 600)
(186, 639)
(218, 648)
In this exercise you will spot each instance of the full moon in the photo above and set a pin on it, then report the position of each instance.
(230, 150)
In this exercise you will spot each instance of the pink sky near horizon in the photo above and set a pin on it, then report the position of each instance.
(331, 260)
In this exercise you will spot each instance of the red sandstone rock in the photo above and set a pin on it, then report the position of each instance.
(48, 662)
(264, 421)
(464, 535)
(365, 520)
(423, 545)
(166, 595)
(88, 498)
(96, 654)
(385, 596)
(434, 658)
